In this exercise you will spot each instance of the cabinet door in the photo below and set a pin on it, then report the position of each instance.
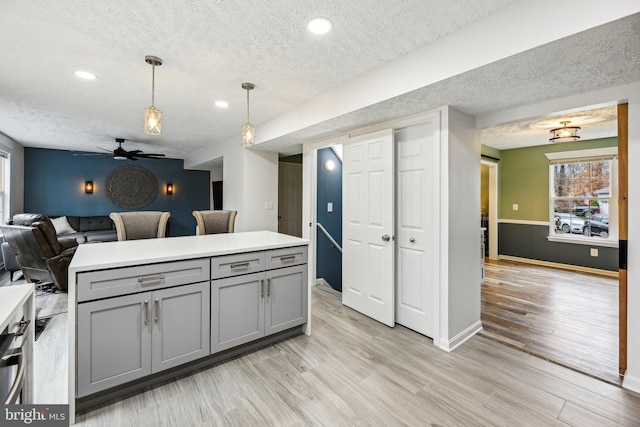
(180, 325)
(237, 311)
(114, 342)
(286, 297)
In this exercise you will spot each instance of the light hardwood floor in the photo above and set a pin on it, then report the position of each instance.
(568, 317)
(355, 371)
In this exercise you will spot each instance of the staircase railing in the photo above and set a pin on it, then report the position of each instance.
(331, 239)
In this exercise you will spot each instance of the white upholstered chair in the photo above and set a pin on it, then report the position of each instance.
(140, 225)
(214, 222)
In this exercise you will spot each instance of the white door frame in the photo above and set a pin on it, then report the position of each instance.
(493, 207)
(309, 205)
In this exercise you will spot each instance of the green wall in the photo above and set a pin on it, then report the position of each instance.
(524, 178)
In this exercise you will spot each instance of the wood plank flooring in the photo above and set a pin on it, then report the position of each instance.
(565, 316)
(353, 371)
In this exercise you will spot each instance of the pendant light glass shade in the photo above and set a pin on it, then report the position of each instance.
(565, 133)
(248, 135)
(248, 131)
(153, 116)
(152, 121)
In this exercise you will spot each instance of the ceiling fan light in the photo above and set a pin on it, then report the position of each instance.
(248, 135)
(152, 121)
(565, 133)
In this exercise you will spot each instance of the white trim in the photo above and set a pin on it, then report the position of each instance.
(631, 383)
(493, 207)
(523, 221)
(583, 154)
(461, 338)
(560, 266)
(579, 240)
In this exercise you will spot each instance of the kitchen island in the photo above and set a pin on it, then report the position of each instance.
(143, 312)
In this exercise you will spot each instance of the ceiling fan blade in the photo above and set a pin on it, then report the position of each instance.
(104, 149)
(92, 154)
(150, 155)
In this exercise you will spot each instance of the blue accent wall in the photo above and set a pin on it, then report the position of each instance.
(329, 259)
(54, 185)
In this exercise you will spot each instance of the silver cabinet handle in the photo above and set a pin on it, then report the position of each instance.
(16, 387)
(240, 265)
(268, 287)
(412, 240)
(261, 288)
(386, 237)
(287, 257)
(146, 312)
(24, 325)
(157, 311)
(151, 278)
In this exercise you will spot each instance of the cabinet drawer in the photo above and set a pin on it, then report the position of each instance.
(235, 265)
(122, 281)
(286, 257)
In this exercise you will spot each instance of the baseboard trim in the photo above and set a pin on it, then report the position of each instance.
(560, 266)
(461, 338)
(631, 383)
(321, 281)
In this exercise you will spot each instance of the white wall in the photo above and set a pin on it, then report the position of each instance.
(16, 156)
(250, 180)
(460, 229)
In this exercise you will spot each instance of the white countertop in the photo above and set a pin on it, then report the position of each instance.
(12, 298)
(98, 256)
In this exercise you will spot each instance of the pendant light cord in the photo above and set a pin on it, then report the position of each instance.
(248, 121)
(153, 84)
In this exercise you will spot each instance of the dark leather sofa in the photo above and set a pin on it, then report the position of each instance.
(41, 256)
(92, 229)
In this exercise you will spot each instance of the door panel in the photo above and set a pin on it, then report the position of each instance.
(417, 236)
(368, 215)
(180, 325)
(286, 298)
(114, 342)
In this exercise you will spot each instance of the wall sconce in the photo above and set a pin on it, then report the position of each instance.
(88, 187)
(169, 188)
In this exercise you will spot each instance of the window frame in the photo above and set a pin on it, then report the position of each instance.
(588, 155)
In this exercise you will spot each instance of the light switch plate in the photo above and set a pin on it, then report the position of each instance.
(268, 206)
(329, 207)
(594, 252)
(515, 206)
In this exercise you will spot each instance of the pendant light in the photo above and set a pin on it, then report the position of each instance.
(248, 131)
(153, 116)
(565, 133)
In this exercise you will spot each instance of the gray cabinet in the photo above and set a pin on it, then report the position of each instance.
(237, 311)
(125, 338)
(245, 308)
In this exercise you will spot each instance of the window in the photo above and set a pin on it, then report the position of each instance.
(583, 196)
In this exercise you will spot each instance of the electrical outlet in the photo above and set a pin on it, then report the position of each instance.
(268, 206)
(594, 252)
(515, 206)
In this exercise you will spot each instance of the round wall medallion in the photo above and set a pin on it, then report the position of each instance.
(131, 187)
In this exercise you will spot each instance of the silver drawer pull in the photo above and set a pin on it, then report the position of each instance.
(151, 278)
(287, 258)
(157, 311)
(261, 288)
(240, 265)
(146, 312)
(268, 287)
(16, 387)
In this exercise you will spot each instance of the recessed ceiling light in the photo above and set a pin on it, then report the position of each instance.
(222, 104)
(85, 75)
(320, 25)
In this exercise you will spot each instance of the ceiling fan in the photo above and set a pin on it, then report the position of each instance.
(122, 154)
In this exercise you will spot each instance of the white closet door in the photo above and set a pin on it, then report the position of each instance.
(368, 225)
(418, 226)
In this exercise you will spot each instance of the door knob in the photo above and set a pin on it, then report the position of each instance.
(412, 240)
(386, 237)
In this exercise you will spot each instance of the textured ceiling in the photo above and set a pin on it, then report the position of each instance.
(605, 56)
(209, 48)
